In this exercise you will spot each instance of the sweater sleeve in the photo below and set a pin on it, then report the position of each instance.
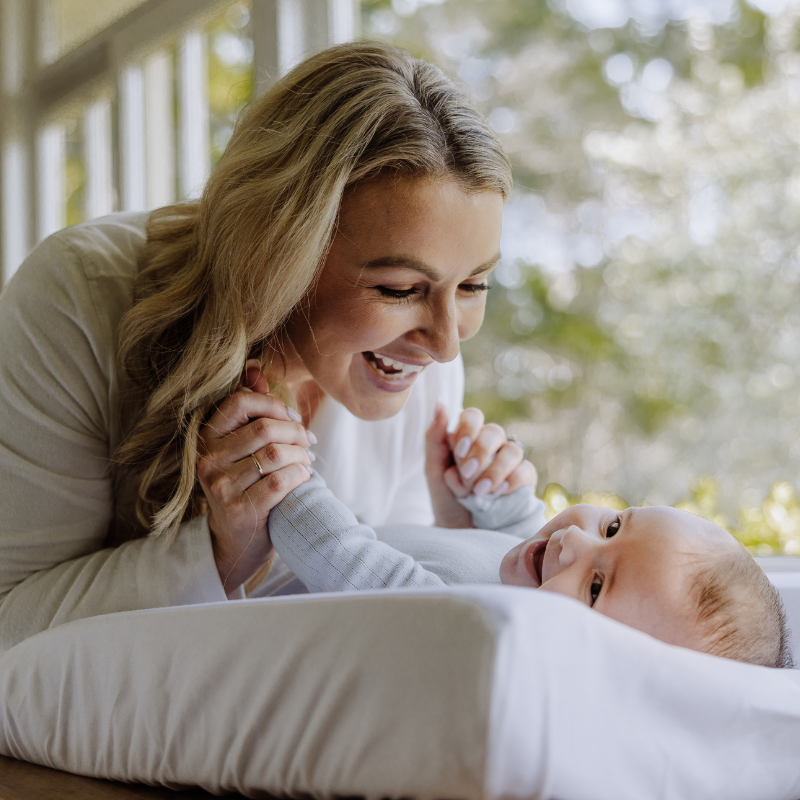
(519, 514)
(325, 546)
(57, 408)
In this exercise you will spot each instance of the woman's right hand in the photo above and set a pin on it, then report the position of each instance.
(248, 424)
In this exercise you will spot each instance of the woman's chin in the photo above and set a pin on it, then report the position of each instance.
(374, 408)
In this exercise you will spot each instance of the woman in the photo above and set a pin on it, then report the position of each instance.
(343, 243)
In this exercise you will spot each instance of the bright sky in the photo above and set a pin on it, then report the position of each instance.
(655, 13)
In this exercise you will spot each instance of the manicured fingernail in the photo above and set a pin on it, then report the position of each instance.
(501, 489)
(468, 468)
(311, 455)
(462, 448)
(311, 437)
(310, 471)
(293, 414)
(482, 487)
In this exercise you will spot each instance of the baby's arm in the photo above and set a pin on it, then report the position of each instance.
(520, 513)
(325, 546)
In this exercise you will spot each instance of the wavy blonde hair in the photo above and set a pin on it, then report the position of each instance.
(221, 275)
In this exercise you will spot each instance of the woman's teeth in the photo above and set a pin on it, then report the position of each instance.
(389, 368)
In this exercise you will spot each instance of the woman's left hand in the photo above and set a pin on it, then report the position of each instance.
(476, 458)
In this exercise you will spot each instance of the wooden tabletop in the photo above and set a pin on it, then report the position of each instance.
(22, 781)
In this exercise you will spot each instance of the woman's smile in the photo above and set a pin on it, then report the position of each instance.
(391, 368)
(394, 376)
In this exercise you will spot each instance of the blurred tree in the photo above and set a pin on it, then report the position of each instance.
(644, 326)
(231, 72)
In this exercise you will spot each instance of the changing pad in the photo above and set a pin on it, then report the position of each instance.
(467, 692)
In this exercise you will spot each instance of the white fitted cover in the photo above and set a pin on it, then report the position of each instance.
(467, 692)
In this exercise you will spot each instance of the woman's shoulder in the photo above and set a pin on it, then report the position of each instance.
(106, 247)
(84, 274)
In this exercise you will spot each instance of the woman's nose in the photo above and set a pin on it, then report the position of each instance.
(575, 544)
(440, 332)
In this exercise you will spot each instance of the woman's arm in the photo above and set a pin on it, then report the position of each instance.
(59, 425)
(324, 544)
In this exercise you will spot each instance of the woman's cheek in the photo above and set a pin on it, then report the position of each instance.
(471, 320)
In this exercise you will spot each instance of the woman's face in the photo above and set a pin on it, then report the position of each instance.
(404, 282)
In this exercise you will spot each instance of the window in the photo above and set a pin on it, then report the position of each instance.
(128, 104)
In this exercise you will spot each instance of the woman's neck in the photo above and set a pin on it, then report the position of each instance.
(308, 397)
(282, 360)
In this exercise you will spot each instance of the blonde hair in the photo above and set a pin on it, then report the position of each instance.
(221, 275)
(740, 614)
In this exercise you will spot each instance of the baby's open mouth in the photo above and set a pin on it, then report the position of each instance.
(389, 368)
(537, 559)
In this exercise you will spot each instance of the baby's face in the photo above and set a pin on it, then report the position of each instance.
(633, 566)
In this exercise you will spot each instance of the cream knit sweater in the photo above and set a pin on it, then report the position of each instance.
(66, 550)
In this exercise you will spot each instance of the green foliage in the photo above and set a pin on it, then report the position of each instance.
(771, 528)
(74, 172)
(642, 327)
(231, 75)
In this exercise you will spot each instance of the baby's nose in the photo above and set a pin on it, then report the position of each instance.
(574, 545)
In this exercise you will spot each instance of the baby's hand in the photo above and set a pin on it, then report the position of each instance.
(475, 459)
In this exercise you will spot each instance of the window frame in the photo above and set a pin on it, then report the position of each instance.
(33, 94)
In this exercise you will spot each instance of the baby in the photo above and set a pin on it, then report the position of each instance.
(663, 571)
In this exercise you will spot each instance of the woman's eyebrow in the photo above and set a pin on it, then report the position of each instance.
(411, 262)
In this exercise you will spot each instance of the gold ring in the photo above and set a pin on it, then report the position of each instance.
(258, 466)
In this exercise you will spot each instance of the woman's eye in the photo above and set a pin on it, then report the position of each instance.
(397, 294)
(474, 288)
(594, 589)
(613, 528)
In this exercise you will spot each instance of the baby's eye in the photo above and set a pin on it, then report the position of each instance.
(613, 528)
(594, 589)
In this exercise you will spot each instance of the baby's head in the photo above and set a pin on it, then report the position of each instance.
(663, 571)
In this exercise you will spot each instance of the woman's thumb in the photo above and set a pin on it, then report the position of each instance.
(437, 432)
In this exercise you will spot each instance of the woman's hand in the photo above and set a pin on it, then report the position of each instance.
(475, 458)
(249, 426)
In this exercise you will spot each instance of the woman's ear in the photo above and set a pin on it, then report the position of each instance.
(254, 378)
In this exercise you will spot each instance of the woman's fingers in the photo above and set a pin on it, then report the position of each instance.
(524, 475)
(454, 483)
(255, 435)
(270, 458)
(485, 460)
(463, 437)
(499, 471)
(240, 408)
(267, 492)
(482, 452)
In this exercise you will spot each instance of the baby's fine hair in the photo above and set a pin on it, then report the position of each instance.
(739, 612)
